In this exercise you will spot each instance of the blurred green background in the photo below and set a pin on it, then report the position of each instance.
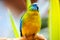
(44, 27)
(44, 22)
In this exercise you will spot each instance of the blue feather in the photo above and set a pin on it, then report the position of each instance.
(34, 7)
(21, 26)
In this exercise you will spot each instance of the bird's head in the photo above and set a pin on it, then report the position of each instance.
(34, 7)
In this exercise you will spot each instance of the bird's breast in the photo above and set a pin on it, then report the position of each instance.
(31, 24)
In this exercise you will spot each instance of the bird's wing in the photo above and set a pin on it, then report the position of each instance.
(20, 24)
(21, 27)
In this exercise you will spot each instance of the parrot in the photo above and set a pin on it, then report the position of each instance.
(30, 22)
